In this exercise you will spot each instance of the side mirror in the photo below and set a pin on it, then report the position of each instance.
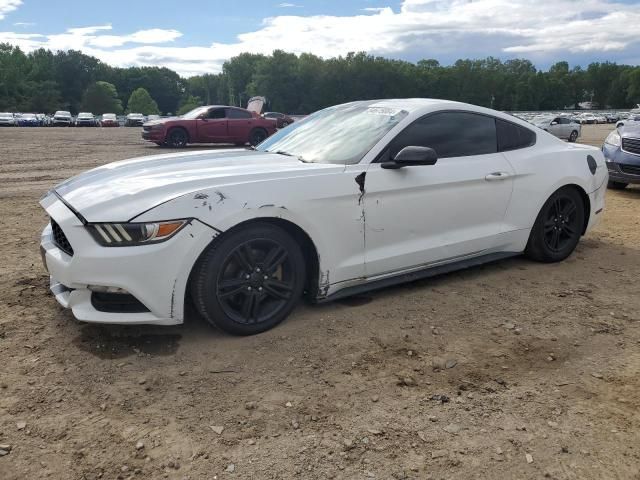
(412, 156)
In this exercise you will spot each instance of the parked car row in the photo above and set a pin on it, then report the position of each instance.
(63, 118)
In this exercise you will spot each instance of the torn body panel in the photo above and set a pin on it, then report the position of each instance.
(324, 205)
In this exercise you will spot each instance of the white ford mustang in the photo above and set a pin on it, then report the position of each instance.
(354, 197)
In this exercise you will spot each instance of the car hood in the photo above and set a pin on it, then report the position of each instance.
(122, 190)
(630, 131)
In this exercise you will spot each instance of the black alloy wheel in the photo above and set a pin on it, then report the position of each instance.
(558, 228)
(250, 281)
(257, 136)
(573, 137)
(177, 138)
(617, 185)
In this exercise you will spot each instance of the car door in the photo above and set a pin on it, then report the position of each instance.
(240, 123)
(212, 126)
(567, 127)
(421, 215)
(556, 128)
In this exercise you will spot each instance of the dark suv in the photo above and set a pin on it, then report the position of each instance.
(622, 152)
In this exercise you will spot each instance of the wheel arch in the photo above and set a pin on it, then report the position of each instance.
(178, 127)
(307, 245)
(585, 200)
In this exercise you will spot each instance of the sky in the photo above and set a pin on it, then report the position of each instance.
(196, 36)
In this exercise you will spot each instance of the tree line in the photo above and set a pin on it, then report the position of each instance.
(45, 81)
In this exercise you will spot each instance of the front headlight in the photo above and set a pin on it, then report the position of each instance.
(613, 139)
(131, 234)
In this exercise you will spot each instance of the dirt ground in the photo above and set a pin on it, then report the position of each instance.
(512, 370)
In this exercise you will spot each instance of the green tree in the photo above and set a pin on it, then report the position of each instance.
(141, 102)
(189, 103)
(101, 97)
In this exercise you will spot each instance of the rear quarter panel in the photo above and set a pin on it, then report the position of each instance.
(546, 167)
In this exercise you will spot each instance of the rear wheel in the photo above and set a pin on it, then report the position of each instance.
(250, 280)
(558, 227)
(177, 138)
(617, 185)
(257, 136)
(574, 136)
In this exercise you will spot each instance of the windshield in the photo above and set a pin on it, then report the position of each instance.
(195, 113)
(5, 115)
(28, 115)
(135, 115)
(62, 114)
(541, 119)
(85, 115)
(109, 116)
(342, 134)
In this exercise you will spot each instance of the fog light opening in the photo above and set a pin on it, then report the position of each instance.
(104, 289)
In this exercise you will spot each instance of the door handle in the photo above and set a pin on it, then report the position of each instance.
(497, 176)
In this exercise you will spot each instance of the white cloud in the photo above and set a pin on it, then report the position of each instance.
(7, 6)
(288, 5)
(24, 24)
(543, 30)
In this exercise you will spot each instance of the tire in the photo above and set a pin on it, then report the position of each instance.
(573, 137)
(257, 136)
(558, 227)
(616, 185)
(249, 280)
(177, 138)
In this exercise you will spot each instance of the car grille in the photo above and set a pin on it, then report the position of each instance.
(632, 169)
(60, 239)
(631, 145)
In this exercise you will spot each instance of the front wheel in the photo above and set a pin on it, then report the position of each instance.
(177, 138)
(558, 227)
(250, 280)
(573, 137)
(617, 185)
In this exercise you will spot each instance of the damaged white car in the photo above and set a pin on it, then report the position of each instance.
(352, 198)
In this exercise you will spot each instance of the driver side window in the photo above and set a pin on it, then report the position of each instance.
(450, 134)
(216, 114)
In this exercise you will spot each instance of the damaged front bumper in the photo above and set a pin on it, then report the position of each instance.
(119, 285)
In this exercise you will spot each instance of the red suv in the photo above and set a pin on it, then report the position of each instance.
(210, 124)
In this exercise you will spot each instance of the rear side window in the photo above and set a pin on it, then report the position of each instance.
(233, 113)
(513, 137)
(450, 134)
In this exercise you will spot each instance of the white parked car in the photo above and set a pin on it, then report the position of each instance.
(354, 197)
(62, 118)
(587, 118)
(632, 119)
(7, 119)
(561, 127)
